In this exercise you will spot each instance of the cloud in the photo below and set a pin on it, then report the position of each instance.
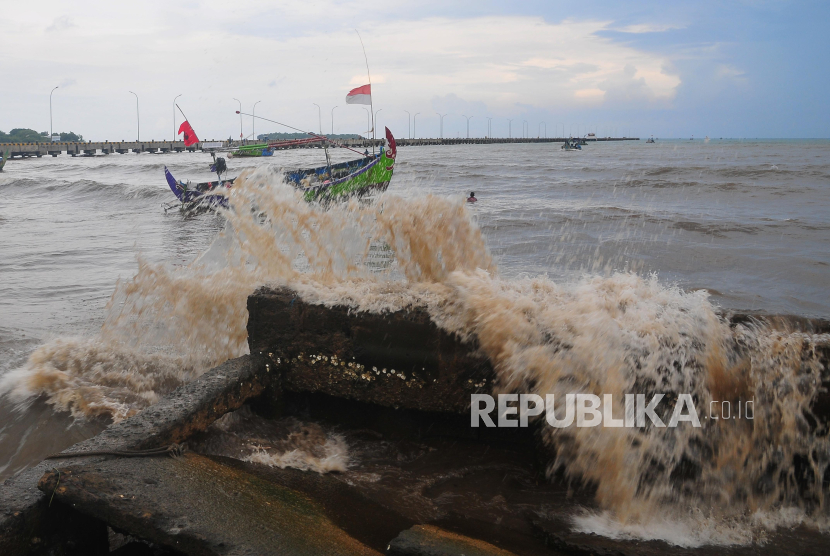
(627, 87)
(726, 71)
(60, 24)
(481, 66)
(362, 79)
(641, 28)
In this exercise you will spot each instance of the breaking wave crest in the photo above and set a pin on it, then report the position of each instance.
(601, 335)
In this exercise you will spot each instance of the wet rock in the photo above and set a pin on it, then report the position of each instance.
(195, 505)
(559, 536)
(429, 540)
(191, 408)
(399, 359)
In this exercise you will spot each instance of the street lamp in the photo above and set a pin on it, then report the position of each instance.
(376, 119)
(509, 129)
(319, 117)
(489, 127)
(332, 120)
(253, 120)
(546, 129)
(174, 115)
(137, 118)
(413, 123)
(441, 117)
(524, 123)
(409, 123)
(240, 118)
(468, 125)
(50, 114)
(368, 122)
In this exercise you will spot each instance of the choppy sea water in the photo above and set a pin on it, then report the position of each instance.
(637, 224)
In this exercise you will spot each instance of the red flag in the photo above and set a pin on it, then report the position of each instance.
(189, 135)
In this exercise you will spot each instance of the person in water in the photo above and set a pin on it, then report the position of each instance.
(472, 197)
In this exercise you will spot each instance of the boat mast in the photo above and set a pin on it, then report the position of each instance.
(369, 75)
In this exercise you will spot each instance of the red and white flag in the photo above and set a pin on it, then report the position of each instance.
(361, 95)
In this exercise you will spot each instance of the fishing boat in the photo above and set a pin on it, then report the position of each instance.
(571, 145)
(252, 150)
(3, 159)
(267, 149)
(354, 178)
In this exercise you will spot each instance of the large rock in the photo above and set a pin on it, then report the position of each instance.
(399, 359)
(25, 523)
(200, 507)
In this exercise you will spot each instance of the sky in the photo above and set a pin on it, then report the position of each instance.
(727, 68)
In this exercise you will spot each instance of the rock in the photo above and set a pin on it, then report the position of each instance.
(429, 540)
(191, 408)
(399, 359)
(195, 505)
(798, 541)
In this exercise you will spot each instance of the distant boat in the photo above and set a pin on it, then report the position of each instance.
(354, 178)
(571, 145)
(650, 140)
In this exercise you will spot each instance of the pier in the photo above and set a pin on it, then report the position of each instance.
(92, 148)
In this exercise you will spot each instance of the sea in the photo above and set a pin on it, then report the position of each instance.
(602, 268)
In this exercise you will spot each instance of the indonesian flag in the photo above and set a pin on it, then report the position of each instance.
(189, 135)
(361, 95)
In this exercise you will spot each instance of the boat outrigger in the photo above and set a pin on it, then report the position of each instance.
(354, 178)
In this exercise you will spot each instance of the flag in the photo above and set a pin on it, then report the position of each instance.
(361, 95)
(189, 135)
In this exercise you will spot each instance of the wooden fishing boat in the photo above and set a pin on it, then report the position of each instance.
(354, 178)
(252, 150)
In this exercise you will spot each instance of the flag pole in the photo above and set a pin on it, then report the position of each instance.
(183, 116)
(369, 75)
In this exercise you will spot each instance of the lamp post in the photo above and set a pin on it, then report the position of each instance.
(468, 125)
(527, 125)
(409, 123)
(368, 122)
(441, 117)
(376, 119)
(137, 119)
(253, 120)
(319, 117)
(174, 115)
(332, 120)
(50, 114)
(240, 118)
(489, 127)
(540, 129)
(413, 123)
(509, 129)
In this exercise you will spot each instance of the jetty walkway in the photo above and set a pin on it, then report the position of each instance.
(91, 148)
